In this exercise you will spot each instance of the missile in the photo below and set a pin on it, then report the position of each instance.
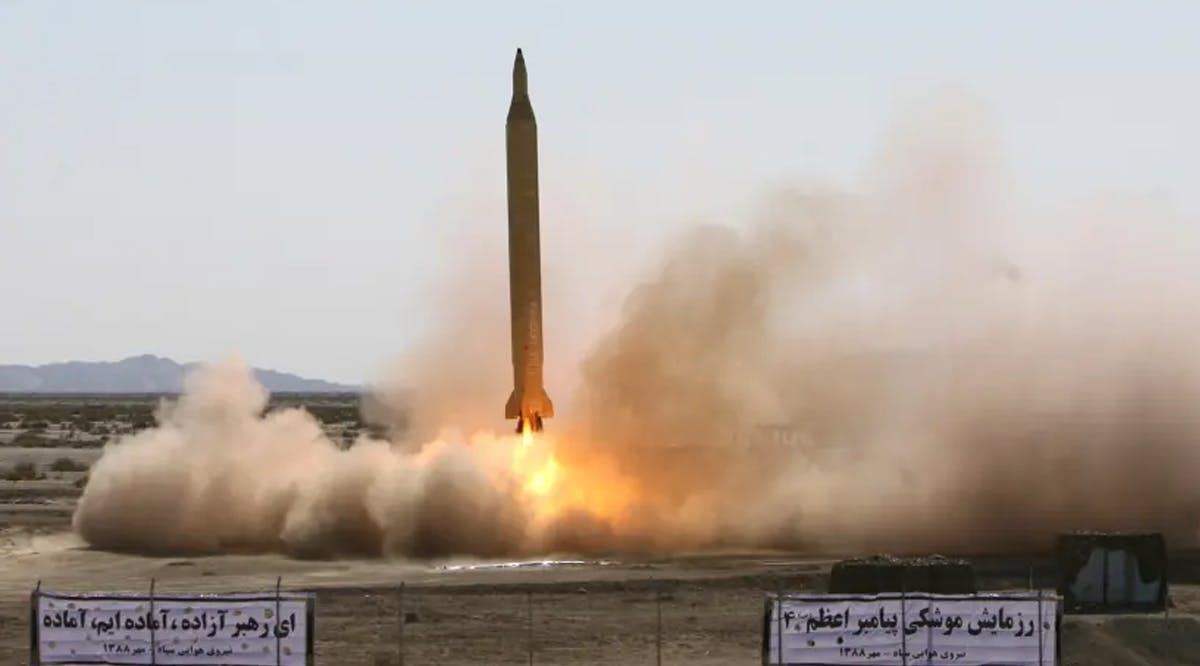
(529, 403)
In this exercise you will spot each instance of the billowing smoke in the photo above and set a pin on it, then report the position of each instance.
(921, 363)
(219, 475)
(957, 372)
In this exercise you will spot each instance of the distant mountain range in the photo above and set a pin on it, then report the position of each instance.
(138, 374)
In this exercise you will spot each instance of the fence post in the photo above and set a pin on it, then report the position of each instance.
(278, 618)
(35, 655)
(658, 628)
(779, 623)
(153, 641)
(1105, 587)
(529, 622)
(1041, 645)
(403, 621)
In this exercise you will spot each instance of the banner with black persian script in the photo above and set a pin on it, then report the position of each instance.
(925, 629)
(217, 630)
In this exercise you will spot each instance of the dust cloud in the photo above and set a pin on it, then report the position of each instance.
(219, 475)
(924, 362)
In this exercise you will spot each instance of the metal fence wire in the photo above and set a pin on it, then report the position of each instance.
(586, 623)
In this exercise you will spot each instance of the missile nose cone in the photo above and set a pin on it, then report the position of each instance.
(520, 80)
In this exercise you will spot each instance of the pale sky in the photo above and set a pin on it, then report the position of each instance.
(276, 178)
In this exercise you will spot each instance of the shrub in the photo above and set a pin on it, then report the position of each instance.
(31, 439)
(65, 464)
(22, 471)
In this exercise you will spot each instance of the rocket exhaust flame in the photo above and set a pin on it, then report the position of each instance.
(539, 477)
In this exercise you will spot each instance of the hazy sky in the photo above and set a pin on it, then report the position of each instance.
(280, 179)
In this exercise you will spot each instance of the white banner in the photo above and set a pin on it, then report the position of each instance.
(216, 630)
(916, 629)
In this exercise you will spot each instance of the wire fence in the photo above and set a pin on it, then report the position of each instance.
(516, 619)
(667, 625)
(585, 623)
(624, 617)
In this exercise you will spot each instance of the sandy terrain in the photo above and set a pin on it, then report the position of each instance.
(16, 454)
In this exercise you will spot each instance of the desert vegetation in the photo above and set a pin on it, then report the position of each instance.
(50, 421)
(22, 471)
(48, 442)
(67, 464)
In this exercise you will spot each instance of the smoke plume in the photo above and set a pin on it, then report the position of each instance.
(922, 362)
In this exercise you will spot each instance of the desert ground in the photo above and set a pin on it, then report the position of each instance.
(568, 611)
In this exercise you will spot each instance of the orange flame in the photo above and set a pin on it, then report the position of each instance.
(539, 476)
(591, 483)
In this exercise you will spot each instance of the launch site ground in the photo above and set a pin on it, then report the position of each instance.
(594, 611)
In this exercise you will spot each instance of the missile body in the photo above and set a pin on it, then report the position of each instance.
(528, 403)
